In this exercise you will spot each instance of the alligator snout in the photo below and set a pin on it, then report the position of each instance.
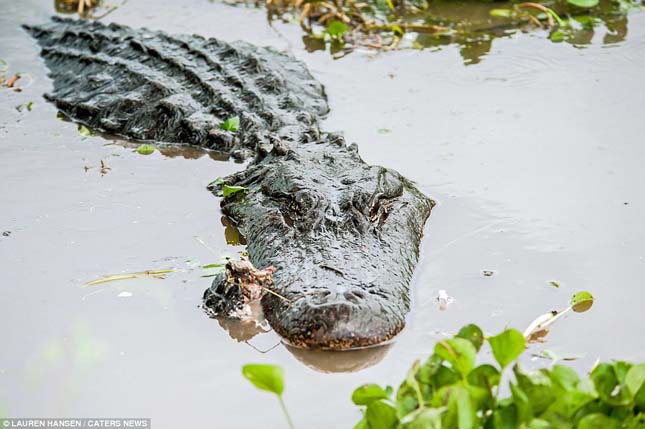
(336, 317)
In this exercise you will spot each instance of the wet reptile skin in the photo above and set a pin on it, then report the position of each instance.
(342, 234)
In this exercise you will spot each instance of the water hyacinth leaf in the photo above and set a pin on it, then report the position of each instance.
(460, 353)
(567, 404)
(423, 418)
(473, 334)
(581, 301)
(429, 369)
(564, 377)
(556, 37)
(269, 378)
(336, 29)
(461, 412)
(381, 415)
(635, 422)
(232, 124)
(539, 424)
(598, 421)
(230, 190)
(84, 131)
(507, 346)
(584, 3)
(485, 376)
(411, 381)
(362, 424)
(145, 149)
(606, 383)
(501, 13)
(368, 393)
(522, 404)
(538, 388)
(505, 416)
(635, 379)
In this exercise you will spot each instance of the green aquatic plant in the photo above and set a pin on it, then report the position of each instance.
(336, 30)
(269, 378)
(449, 390)
(452, 390)
(145, 149)
(83, 130)
(231, 124)
(230, 190)
(473, 25)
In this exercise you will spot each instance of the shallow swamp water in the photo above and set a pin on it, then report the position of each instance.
(534, 154)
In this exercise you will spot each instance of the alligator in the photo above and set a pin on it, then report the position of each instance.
(342, 236)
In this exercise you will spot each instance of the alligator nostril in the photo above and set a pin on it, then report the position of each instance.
(359, 294)
(351, 297)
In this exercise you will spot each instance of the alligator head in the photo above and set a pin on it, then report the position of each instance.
(342, 235)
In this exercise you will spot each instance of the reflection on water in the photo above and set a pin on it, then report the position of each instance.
(340, 361)
(232, 234)
(475, 25)
(171, 150)
(245, 329)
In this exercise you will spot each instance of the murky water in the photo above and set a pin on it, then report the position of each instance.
(534, 156)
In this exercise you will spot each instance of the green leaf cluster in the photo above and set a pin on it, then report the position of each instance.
(450, 391)
(145, 149)
(232, 124)
(336, 29)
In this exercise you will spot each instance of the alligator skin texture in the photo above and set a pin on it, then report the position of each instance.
(343, 235)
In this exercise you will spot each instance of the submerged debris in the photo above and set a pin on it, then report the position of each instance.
(444, 300)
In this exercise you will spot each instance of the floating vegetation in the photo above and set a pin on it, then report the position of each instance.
(343, 25)
(88, 9)
(149, 274)
(83, 130)
(230, 190)
(231, 124)
(146, 149)
(538, 328)
(449, 390)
